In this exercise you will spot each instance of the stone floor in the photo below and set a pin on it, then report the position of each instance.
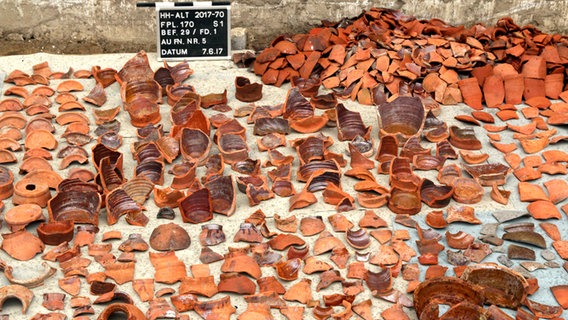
(214, 77)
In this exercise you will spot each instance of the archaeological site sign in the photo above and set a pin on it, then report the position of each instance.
(192, 30)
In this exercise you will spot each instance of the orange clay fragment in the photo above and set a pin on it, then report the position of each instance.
(504, 147)
(561, 247)
(560, 293)
(534, 145)
(462, 214)
(500, 196)
(557, 190)
(471, 157)
(300, 291)
(435, 219)
(69, 85)
(543, 209)
(529, 192)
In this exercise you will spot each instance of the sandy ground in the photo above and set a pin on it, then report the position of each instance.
(214, 77)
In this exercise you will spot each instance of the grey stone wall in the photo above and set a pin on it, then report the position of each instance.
(112, 22)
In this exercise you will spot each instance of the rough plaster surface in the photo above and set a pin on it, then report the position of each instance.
(112, 23)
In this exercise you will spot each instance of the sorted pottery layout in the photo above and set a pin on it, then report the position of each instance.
(365, 188)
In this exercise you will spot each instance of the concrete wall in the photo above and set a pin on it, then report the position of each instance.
(117, 24)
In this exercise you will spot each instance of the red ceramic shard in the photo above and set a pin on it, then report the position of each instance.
(310, 226)
(412, 147)
(288, 224)
(252, 167)
(327, 278)
(444, 149)
(435, 219)
(404, 202)
(120, 272)
(212, 99)
(385, 256)
(467, 191)
(203, 285)
(15, 119)
(115, 308)
(21, 293)
(257, 194)
(560, 293)
(12, 245)
(379, 282)
(18, 217)
(307, 170)
(501, 286)
(134, 243)
(264, 126)
(358, 239)
(248, 233)
(69, 85)
(435, 196)
(168, 237)
(197, 207)
(71, 285)
(270, 284)
(551, 230)
(236, 283)
(371, 220)
(288, 270)
(223, 195)
(311, 148)
(464, 138)
(459, 240)
(283, 241)
(467, 119)
(462, 214)
(428, 162)
(444, 290)
(302, 200)
(40, 139)
(70, 117)
(498, 195)
(312, 265)
(542, 209)
(119, 203)
(401, 175)
(28, 191)
(326, 242)
(209, 256)
(11, 104)
(169, 269)
(211, 234)
(220, 308)
(247, 91)
(473, 158)
(233, 148)
(403, 117)
(471, 92)
(494, 90)
(542, 310)
(557, 190)
(56, 232)
(139, 188)
(487, 174)
(241, 263)
(350, 124)
(271, 141)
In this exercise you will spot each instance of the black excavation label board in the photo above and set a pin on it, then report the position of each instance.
(196, 32)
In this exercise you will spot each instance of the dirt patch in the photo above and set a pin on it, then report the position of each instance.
(8, 47)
